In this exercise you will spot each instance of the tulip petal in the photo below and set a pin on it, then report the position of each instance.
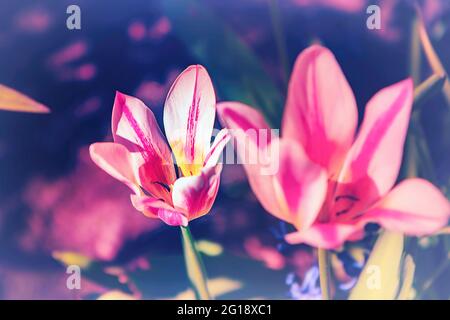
(116, 160)
(414, 207)
(251, 137)
(195, 195)
(238, 116)
(215, 152)
(284, 180)
(156, 208)
(300, 185)
(172, 217)
(377, 152)
(13, 100)
(135, 126)
(189, 113)
(321, 111)
(325, 235)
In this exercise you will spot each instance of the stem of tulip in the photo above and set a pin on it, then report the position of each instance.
(324, 272)
(194, 266)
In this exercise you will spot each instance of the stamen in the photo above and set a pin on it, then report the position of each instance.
(349, 203)
(341, 212)
(349, 197)
(165, 186)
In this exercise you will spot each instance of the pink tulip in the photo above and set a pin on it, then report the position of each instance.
(141, 158)
(330, 183)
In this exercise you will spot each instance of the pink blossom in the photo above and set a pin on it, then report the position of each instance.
(160, 29)
(272, 258)
(33, 20)
(68, 54)
(137, 30)
(342, 5)
(86, 71)
(141, 158)
(330, 183)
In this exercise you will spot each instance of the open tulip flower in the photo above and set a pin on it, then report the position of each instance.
(141, 158)
(331, 183)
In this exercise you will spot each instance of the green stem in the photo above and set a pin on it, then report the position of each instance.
(278, 30)
(194, 266)
(324, 272)
(416, 54)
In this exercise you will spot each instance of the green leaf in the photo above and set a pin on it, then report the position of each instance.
(380, 278)
(230, 277)
(430, 53)
(116, 295)
(407, 290)
(68, 258)
(234, 68)
(209, 248)
(239, 277)
(13, 100)
(91, 269)
(194, 266)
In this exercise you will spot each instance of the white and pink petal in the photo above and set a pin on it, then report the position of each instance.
(156, 208)
(117, 161)
(214, 154)
(135, 126)
(195, 195)
(189, 113)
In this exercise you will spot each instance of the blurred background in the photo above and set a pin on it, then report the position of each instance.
(57, 207)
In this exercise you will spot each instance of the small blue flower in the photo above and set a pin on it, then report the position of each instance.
(353, 262)
(309, 289)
